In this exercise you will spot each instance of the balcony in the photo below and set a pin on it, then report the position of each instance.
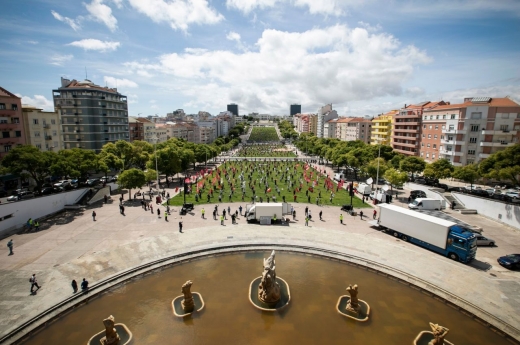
(450, 153)
(77, 131)
(413, 145)
(48, 137)
(46, 126)
(405, 152)
(77, 122)
(484, 155)
(496, 143)
(405, 137)
(406, 123)
(454, 131)
(412, 116)
(103, 106)
(399, 130)
(499, 132)
(79, 139)
(385, 127)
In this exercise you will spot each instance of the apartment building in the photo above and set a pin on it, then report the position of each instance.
(313, 124)
(382, 128)
(325, 114)
(406, 129)
(42, 128)
(11, 124)
(136, 129)
(476, 128)
(91, 115)
(301, 123)
(353, 128)
(149, 132)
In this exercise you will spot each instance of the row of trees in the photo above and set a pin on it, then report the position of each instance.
(173, 156)
(287, 130)
(503, 165)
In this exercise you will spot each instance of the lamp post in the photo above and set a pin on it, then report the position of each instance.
(377, 174)
(156, 170)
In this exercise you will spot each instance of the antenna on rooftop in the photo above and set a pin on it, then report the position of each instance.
(86, 75)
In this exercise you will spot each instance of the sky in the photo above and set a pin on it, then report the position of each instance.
(365, 57)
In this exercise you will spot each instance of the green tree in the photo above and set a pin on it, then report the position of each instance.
(395, 177)
(372, 168)
(468, 173)
(442, 168)
(503, 165)
(413, 165)
(131, 179)
(150, 175)
(396, 161)
(80, 161)
(27, 160)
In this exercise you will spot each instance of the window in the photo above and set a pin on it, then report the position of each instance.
(16, 120)
(473, 140)
(428, 145)
(5, 135)
(433, 156)
(504, 128)
(429, 136)
(437, 117)
(35, 121)
(39, 146)
(36, 134)
(3, 120)
(453, 116)
(422, 154)
(431, 117)
(18, 134)
(7, 148)
(435, 136)
(471, 152)
(424, 126)
(14, 107)
(448, 148)
(427, 155)
(474, 128)
(443, 126)
(436, 126)
(2, 106)
(426, 117)
(422, 144)
(450, 138)
(53, 121)
(444, 117)
(424, 135)
(434, 146)
(442, 137)
(470, 161)
(451, 128)
(431, 126)
(476, 116)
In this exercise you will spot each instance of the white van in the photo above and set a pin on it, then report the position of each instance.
(364, 189)
(425, 204)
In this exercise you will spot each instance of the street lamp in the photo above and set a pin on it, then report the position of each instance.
(156, 170)
(378, 158)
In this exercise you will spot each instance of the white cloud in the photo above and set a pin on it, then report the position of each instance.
(93, 44)
(58, 60)
(180, 14)
(37, 101)
(335, 65)
(233, 36)
(325, 7)
(458, 8)
(119, 83)
(133, 98)
(74, 24)
(118, 3)
(33, 42)
(102, 13)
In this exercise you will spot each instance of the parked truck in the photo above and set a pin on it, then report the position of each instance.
(265, 212)
(425, 204)
(439, 235)
(364, 189)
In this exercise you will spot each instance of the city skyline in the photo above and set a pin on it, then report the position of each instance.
(365, 58)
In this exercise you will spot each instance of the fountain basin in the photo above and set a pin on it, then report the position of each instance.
(285, 295)
(124, 334)
(177, 305)
(425, 337)
(361, 316)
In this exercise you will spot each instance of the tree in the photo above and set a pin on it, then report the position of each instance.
(80, 161)
(442, 168)
(130, 179)
(372, 168)
(150, 175)
(395, 177)
(468, 173)
(396, 161)
(27, 160)
(503, 165)
(412, 164)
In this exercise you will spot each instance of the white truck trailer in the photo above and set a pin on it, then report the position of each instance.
(425, 204)
(265, 212)
(439, 235)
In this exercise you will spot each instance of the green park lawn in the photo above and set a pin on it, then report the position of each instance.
(257, 171)
(263, 134)
(265, 150)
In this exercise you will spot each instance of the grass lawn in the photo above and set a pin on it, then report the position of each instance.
(253, 172)
(263, 134)
(265, 150)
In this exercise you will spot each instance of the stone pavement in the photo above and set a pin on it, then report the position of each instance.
(73, 246)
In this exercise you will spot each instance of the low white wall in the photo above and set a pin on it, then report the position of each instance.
(21, 211)
(502, 212)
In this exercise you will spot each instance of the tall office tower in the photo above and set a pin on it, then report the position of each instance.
(295, 109)
(92, 115)
(233, 108)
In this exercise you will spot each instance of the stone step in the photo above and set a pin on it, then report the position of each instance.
(466, 211)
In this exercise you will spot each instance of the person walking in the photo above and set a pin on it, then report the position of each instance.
(321, 213)
(84, 285)
(36, 226)
(74, 286)
(229, 210)
(158, 213)
(240, 209)
(180, 226)
(165, 216)
(341, 218)
(10, 246)
(122, 210)
(294, 215)
(94, 216)
(409, 199)
(202, 213)
(214, 214)
(361, 215)
(222, 220)
(106, 200)
(34, 283)
(306, 220)
(309, 215)
(375, 214)
(453, 204)
(151, 208)
(233, 218)
(224, 214)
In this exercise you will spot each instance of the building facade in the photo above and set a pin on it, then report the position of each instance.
(91, 115)
(295, 109)
(136, 129)
(353, 128)
(382, 128)
(11, 124)
(233, 108)
(324, 115)
(42, 128)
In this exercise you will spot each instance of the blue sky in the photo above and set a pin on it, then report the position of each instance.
(363, 56)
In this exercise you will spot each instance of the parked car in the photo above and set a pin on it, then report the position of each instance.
(21, 196)
(510, 261)
(420, 180)
(65, 184)
(442, 185)
(454, 189)
(484, 241)
(480, 192)
(417, 194)
(93, 182)
(74, 183)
